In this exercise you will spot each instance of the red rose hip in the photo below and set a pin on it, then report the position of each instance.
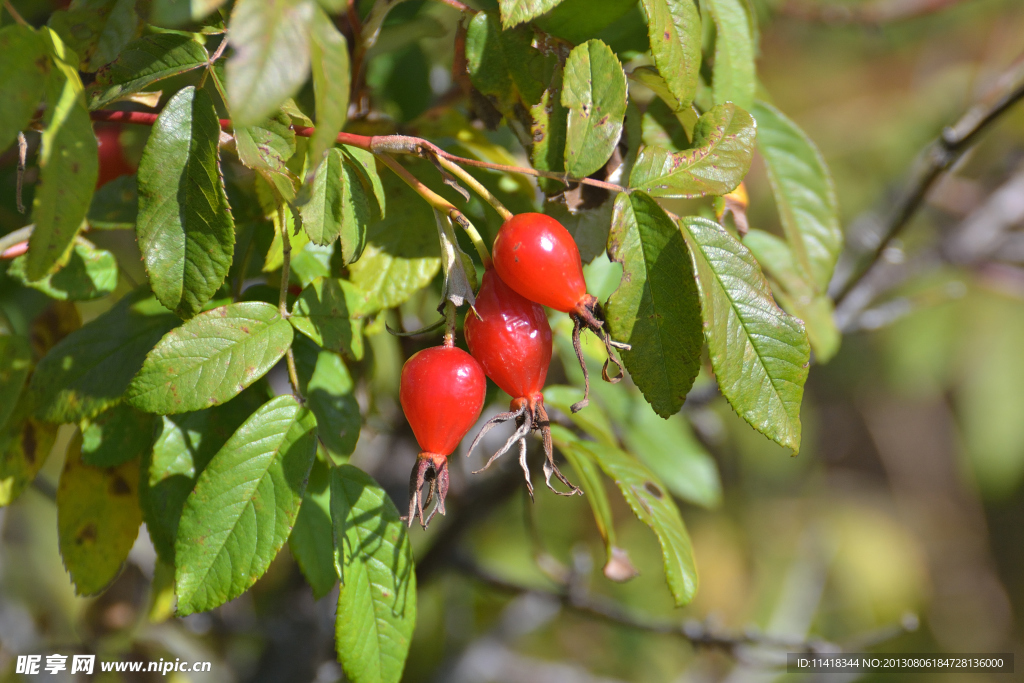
(537, 257)
(442, 393)
(511, 338)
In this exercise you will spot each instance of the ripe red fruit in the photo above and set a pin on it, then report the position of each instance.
(112, 161)
(442, 393)
(538, 258)
(512, 340)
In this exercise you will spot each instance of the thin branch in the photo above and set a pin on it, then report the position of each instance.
(282, 300)
(875, 13)
(213, 59)
(475, 185)
(22, 159)
(939, 156)
(14, 14)
(697, 633)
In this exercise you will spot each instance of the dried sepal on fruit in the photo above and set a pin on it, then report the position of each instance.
(442, 393)
(537, 257)
(509, 335)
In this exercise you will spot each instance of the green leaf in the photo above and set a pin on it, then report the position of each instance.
(723, 145)
(365, 165)
(674, 29)
(329, 391)
(185, 229)
(68, 169)
(211, 358)
(795, 294)
(15, 364)
(594, 90)
(331, 82)
(312, 539)
(402, 255)
(142, 63)
(25, 444)
(330, 311)
(617, 564)
(23, 74)
(804, 194)
(266, 148)
(759, 353)
(656, 308)
(90, 273)
(89, 370)
(504, 65)
(652, 505)
(515, 12)
(98, 518)
(271, 58)
(588, 227)
(116, 435)
(733, 76)
(377, 603)
(662, 128)
(547, 133)
(672, 452)
(340, 205)
(244, 506)
(175, 13)
(650, 77)
(594, 422)
(182, 447)
(97, 31)
(115, 205)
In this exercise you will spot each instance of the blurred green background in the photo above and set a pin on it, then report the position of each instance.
(906, 499)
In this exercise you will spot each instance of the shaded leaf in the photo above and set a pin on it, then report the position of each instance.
(504, 65)
(211, 358)
(804, 195)
(674, 29)
(97, 31)
(115, 205)
(547, 134)
(266, 148)
(182, 447)
(89, 370)
(68, 167)
(174, 13)
(759, 353)
(340, 206)
(244, 505)
(271, 58)
(312, 539)
(795, 294)
(656, 308)
(672, 452)
(723, 145)
(15, 364)
(329, 392)
(652, 505)
(98, 518)
(377, 602)
(456, 265)
(185, 229)
(662, 128)
(142, 63)
(579, 20)
(733, 75)
(330, 311)
(116, 435)
(331, 82)
(594, 90)
(89, 273)
(23, 74)
(25, 444)
(650, 77)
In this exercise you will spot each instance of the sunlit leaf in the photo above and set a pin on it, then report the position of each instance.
(340, 205)
(733, 75)
(266, 147)
(185, 229)
(594, 91)
(90, 369)
(759, 353)
(330, 311)
(244, 505)
(98, 518)
(514, 12)
(377, 602)
(723, 146)
(329, 59)
(674, 29)
(271, 58)
(88, 274)
(656, 308)
(211, 358)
